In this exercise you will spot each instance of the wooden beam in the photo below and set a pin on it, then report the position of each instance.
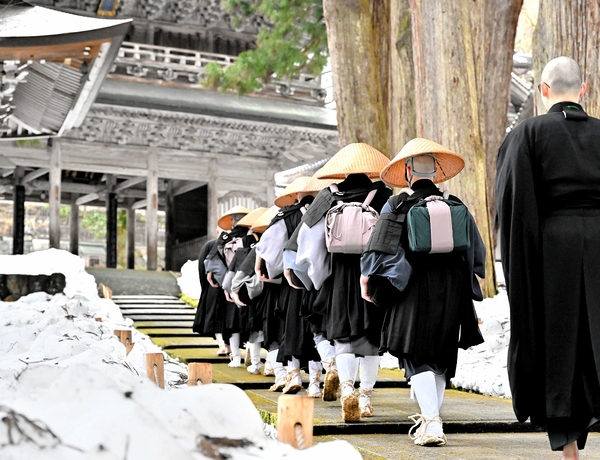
(129, 183)
(187, 188)
(139, 204)
(35, 174)
(87, 198)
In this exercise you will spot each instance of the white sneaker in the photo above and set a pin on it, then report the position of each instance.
(236, 361)
(254, 369)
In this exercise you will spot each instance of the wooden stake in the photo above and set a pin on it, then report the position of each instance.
(295, 420)
(126, 340)
(155, 368)
(199, 373)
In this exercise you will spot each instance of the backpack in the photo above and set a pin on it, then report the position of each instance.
(438, 224)
(348, 226)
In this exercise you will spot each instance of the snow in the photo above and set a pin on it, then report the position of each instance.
(481, 369)
(69, 391)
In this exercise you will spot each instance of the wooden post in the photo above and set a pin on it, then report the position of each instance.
(55, 191)
(130, 234)
(74, 226)
(126, 340)
(170, 228)
(213, 198)
(155, 368)
(199, 373)
(295, 420)
(152, 212)
(18, 212)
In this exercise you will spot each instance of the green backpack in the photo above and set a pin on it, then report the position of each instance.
(438, 224)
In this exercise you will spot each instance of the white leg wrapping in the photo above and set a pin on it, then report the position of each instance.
(369, 366)
(255, 353)
(425, 389)
(220, 340)
(327, 354)
(280, 371)
(440, 382)
(234, 343)
(294, 363)
(347, 366)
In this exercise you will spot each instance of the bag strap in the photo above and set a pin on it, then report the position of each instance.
(334, 189)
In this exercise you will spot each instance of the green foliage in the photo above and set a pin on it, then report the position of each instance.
(94, 220)
(65, 214)
(269, 418)
(295, 43)
(33, 143)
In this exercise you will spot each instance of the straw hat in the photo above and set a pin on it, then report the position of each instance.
(226, 222)
(449, 163)
(261, 224)
(288, 195)
(251, 217)
(316, 185)
(353, 159)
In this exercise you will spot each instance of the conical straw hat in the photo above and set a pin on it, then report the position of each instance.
(316, 185)
(261, 224)
(288, 195)
(353, 159)
(225, 221)
(251, 217)
(448, 163)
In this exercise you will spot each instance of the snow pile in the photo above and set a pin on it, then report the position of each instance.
(482, 369)
(188, 282)
(68, 390)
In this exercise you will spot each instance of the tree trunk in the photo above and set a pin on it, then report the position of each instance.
(402, 82)
(495, 62)
(358, 35)
(570, 29)
(459, 58)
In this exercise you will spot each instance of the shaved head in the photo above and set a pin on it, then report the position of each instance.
(563, 76)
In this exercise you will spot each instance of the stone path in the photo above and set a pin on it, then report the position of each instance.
(478, 427)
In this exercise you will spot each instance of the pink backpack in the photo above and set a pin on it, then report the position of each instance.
(348, 226)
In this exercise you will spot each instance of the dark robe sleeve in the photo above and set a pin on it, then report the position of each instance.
(518, 217)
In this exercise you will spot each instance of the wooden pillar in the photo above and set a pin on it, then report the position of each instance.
(74, 226)
(270, 181)
(170, 241)
(213, 198)
(152, 212)
(111, 222)
(18, 212)
(55, 191)
(130, 235)
(111, 230)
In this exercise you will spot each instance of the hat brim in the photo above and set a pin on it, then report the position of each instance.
(251, 217)
(448, 163)
(289, 194)
(261, 224)
(226, 222)
(356, 158)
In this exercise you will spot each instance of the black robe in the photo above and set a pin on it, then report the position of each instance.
(209, 316)
(548, 199)
(434, 315)
(339, 301)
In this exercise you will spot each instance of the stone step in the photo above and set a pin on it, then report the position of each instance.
(185, 342)
(172, 317)
(157, 311)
